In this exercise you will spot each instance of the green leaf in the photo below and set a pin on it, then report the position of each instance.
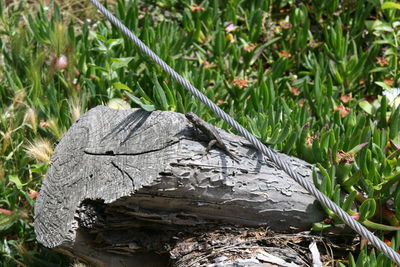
(291, 141)
(317, 151)
(16, 181)
(219, 43)
(336, 195)
(384, 85)
(284, 133)
(352, 262)
(121, 62)
(319, 226)
(394, 123)
(170, 97)
(121, 86)
(367, 209)
(357, 148)
(260, 50)
(7, 220)
(138, 102)
(114, 42)
(383, 28)
(160, 94)
(279, 134)
(327, 183)
(380, 69)
(316, 178)
(367, 107)
(274, 136)
(362, 162)
(39, 168)
(390, 42)
(379, 226)
(387, 5)
(397, 204)
(349, 201)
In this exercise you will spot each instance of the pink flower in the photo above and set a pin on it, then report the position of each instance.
(230, 28)
(8, 212)
(196, 8)
(61, 62)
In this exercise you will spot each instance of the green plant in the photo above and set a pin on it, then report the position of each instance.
(312, 79)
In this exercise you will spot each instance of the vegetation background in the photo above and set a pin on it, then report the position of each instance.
(315, 79)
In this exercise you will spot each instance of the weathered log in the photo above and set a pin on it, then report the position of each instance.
(127, 185)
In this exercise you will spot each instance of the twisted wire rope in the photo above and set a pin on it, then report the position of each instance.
(271, 154)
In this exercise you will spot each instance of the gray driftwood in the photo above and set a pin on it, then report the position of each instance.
(133, 188)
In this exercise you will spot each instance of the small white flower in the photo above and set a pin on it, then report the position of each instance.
(393, 96)
(6, 247)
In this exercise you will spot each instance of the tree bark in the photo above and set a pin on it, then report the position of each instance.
(133, 187)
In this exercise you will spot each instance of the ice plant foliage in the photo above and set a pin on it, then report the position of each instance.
(315, 80)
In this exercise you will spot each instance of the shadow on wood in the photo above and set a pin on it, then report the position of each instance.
(129, 186)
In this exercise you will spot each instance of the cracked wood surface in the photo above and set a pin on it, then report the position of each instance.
(151, 165)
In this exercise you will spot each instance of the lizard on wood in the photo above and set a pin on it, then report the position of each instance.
(211, 132)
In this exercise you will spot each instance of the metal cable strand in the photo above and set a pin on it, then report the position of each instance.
(271, 154)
